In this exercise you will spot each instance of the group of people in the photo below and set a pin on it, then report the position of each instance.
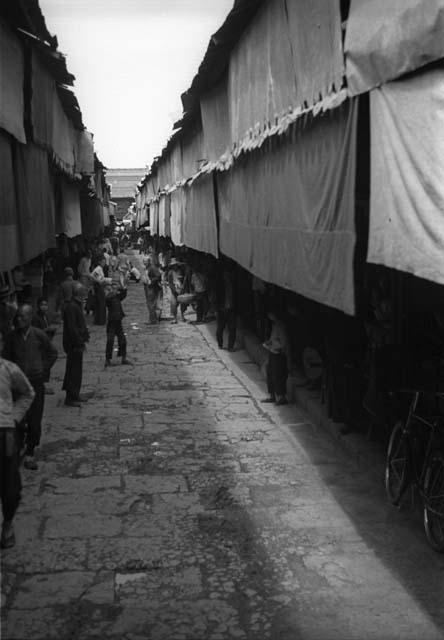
(26, 357)
(27, 354)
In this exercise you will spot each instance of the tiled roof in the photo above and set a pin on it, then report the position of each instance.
(124, 181)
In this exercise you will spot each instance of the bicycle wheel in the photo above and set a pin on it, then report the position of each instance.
(397, 465)
(434, 502)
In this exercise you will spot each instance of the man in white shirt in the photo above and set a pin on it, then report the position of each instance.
(16, 396)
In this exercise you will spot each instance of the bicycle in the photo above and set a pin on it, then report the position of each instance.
(415, 457)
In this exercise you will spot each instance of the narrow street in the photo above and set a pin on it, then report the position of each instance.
(171, 506)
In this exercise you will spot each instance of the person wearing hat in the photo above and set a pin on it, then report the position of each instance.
(7, 310)
(176, 277)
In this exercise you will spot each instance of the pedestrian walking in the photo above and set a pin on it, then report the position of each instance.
(114, 324)
(277, 367)
(75, 337)
(16, 396)
(151, 280)
(176, 280)
(31, 349)
(226, 306)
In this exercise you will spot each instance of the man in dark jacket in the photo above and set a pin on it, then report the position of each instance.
(75, 337)
(114, 324)
(31, 349)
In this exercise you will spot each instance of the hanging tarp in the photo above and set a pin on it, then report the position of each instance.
(290, 54)
(9, 235)
(154, 218)
(42, 100)
(11, 84)
(91, 216)
(85, 152)
(387, 38)
(164, 172)
(200, 225)
(151, 189)
(316, 45)
(35, 201)
(164, 216)
(51, 127)
(407, 169)
(286, 211)
(112, 207)
(177, 205)
(215, 122)
(192, 152)
(142, 216)
(69, 219)
(176, 163)
(63, 141)
(105, 215)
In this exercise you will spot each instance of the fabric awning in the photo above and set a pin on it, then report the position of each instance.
(164, 216)
(154, 218)
(215, 122)
(200, 225)
(164, 172)
(387, 38)
(192, 152)
(287, 211)
(69, 219)
(85, 152)
(52, 129)
(290, 55)
(9, 233)
(407, 169)
(42, 98)
(35, 201)
(11, 84)
(177, 204)
(91, 211)
(176, 163)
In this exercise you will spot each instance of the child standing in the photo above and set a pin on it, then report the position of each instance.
(114, 327)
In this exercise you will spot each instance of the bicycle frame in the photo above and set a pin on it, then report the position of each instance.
(432, 423)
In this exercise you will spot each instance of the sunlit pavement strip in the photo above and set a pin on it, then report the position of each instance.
(171, 506)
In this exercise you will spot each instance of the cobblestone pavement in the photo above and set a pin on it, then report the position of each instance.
(172, 507)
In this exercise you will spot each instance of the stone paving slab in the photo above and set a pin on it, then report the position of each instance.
(173, 506)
